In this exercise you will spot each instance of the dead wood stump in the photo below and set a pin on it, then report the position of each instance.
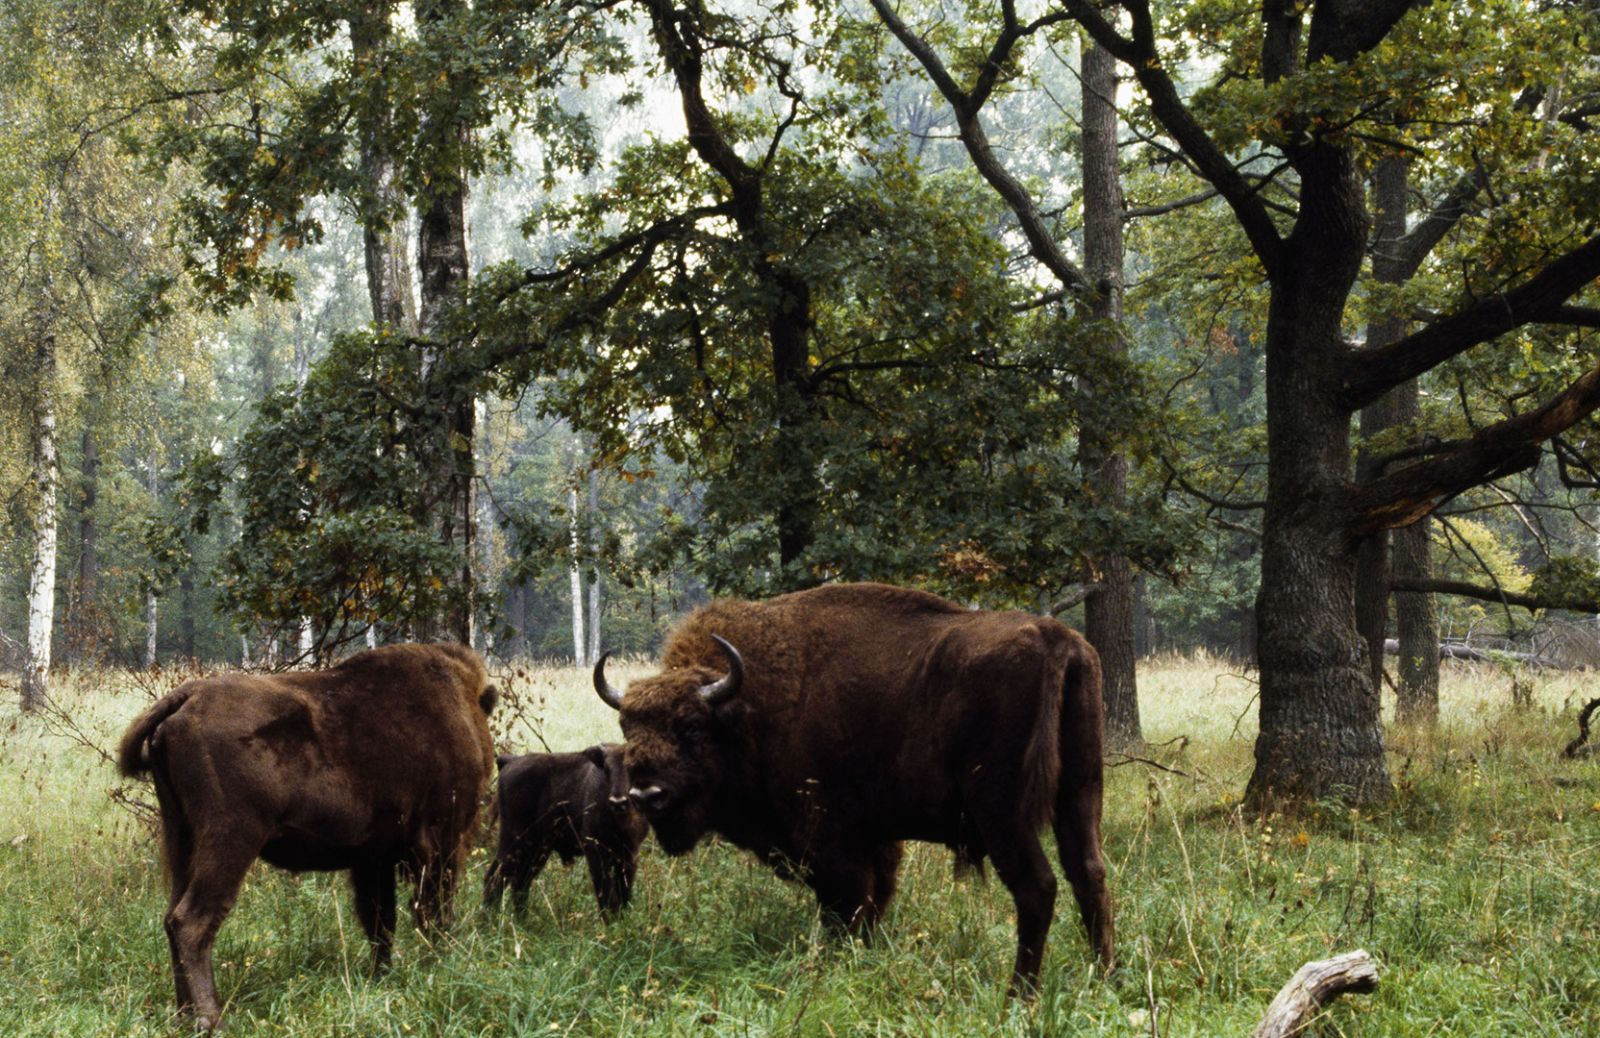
(1313, 986)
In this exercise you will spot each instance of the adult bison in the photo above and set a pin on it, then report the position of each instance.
(572, 805)
(375, 765)
(821, 728)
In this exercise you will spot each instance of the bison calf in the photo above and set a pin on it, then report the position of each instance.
(375, 766)
(567, 804)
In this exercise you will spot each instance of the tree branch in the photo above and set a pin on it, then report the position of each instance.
(1401, 497)
(1346, 29)
(1075, 597)
(1042, 244)
(1166, 207)
(1371, 373)
(1404, 257)
(1497, 595)
(681, 52)
(1139, 54)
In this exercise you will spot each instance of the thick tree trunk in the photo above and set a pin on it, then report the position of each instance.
(1320, 723)
(46, 476)
(443, 270)
(1108, 615)
(1321, 733)
(1417, 618)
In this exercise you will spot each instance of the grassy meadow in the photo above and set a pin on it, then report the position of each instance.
(1478, 890)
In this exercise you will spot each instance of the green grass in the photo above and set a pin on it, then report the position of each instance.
(1478, 890)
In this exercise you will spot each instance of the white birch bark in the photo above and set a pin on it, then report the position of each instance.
(47, 474)
(575, 573)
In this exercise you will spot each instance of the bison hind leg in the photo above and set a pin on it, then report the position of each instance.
(1078, 839)
(969, 851)
(1022, 866)
(177, 857)
(217, 872)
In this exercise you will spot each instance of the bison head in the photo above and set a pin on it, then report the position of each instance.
(670, 722)
(608, 758)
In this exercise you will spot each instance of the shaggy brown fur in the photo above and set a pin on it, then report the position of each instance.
(869, 715)
(374, 765)
(568, 804)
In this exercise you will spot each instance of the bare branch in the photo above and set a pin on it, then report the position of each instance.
(1041, 242)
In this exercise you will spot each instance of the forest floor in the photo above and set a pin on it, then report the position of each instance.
(1477, 890)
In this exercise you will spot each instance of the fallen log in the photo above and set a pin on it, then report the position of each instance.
(1457, 651)
(1313, 986)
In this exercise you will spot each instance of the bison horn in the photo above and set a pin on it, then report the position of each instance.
(610, 696)
(726, 687)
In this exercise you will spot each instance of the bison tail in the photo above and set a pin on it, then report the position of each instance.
(1082, 734)
(1041, 759)
(132, 757)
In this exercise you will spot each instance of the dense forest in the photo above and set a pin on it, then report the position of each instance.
(1264, 328)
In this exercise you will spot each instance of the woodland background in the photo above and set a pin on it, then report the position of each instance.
(536, 323)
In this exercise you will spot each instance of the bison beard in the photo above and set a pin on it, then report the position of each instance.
(822, 728)
(375, 766)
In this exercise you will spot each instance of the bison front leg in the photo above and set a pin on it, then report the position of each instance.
(611, 873)
(374, 887)
(435, 891)
(853, 888)
(885, 875)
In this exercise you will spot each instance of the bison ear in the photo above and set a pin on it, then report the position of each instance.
(596, 755)
(488, 698)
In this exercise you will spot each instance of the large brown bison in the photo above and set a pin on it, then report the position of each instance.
(572, 805)
(821, 728)
(375, 765)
